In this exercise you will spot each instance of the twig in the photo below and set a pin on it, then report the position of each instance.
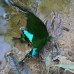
(19, 4)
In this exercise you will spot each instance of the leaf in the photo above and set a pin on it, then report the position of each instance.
(48, 63)
(66, 66)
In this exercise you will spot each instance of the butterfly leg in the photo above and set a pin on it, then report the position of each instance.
(15, 38)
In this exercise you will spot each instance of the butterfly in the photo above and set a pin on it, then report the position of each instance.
(35, 33)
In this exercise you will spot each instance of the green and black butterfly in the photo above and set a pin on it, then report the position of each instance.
(35, 33)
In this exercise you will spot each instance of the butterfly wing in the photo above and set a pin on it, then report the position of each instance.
(39, 43)
(36, 26)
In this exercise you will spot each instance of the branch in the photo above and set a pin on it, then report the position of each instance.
(19, 5)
